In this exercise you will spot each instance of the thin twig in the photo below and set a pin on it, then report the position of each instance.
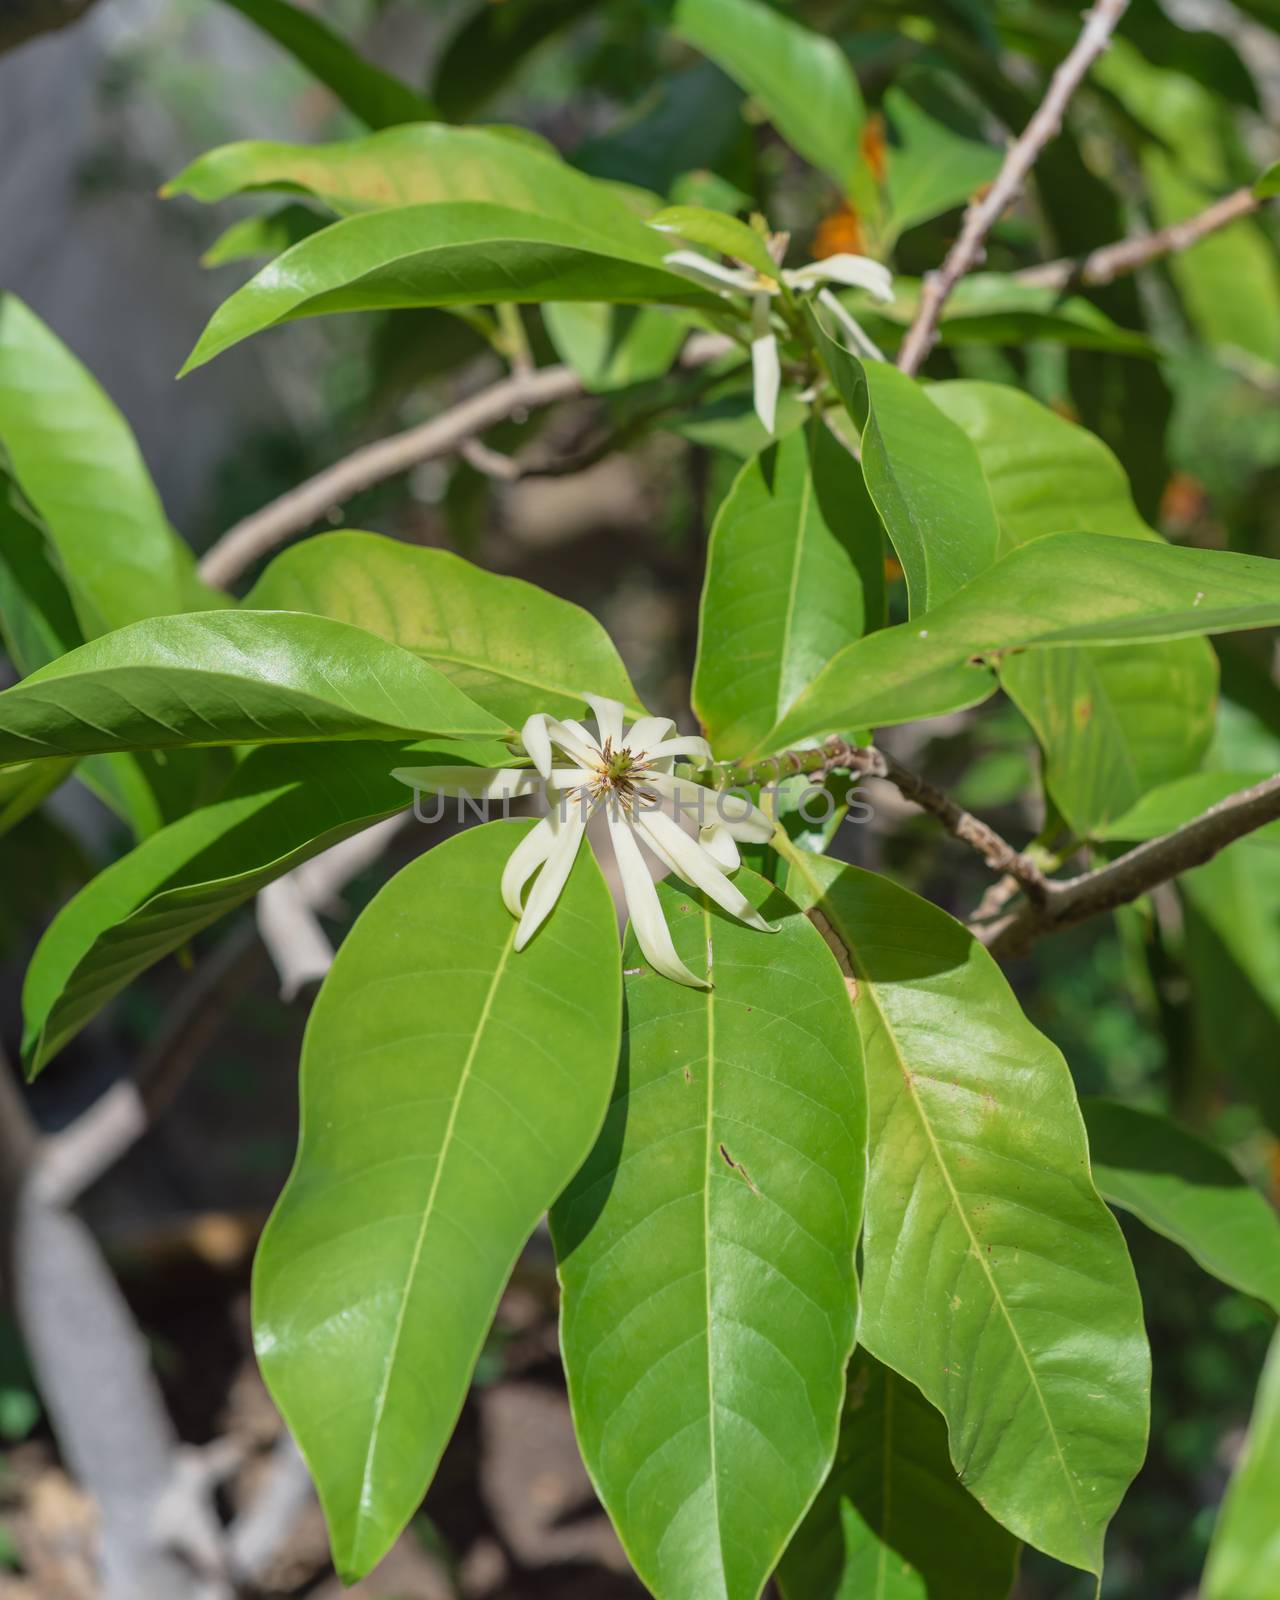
(1067, 901)
(1113, 261)
(313, 500)
(968, 250)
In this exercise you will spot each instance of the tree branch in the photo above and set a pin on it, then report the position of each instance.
(1113, 261)
(521, 392)
(1067, 901)
(968, 250)
(21, 20)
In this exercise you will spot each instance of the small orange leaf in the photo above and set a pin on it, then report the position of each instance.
(840, 233)
(872, 145)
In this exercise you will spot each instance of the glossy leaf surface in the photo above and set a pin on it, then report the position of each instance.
(1185, 1189)
(1065, 589)
(893, 1521)
(795, 571)
(510, 646)
(994, 1277)
(706, 1250)
(78, 466)
(457, 253)
(228, 677)
(450, 1088)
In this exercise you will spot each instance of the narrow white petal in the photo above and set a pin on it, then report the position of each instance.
(523, 862)
(721, 846)
(567, 836)
(645, 733)
(644, 908)
(696, 866)
(478, 783)
(709, 807)
(855, 272)
(566, 777)
(574, 740)
(690, 264)
(861, 340)
(537, 741)
(608, 715)
(766, 367)
(685, 745)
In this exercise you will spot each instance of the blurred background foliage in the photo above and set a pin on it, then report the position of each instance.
(1174, 1004)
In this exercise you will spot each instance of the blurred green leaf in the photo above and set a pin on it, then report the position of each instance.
(718, 232)
(493, 44)
(614, 347)
(269, 234)
(1267, 184)
(1170, 805)
(450, 1089)
(1245, 1554)
(930, 168)
(374, 96)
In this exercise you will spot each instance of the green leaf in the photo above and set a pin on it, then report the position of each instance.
(613, 347)
(1045, 474)
(794, 572)
(514, 648)
(1244, 1556)
(37, 620)
(1171, 804)
(232, 677)
(930, 167)
(1188, 1191)
(994, 1278)
(423, 164)
(989, 308)
(268, 234)
(460, 253)
(1267, 184)
(802, 80)
(77, 464)
(1064, 589)
(1115, 723)
(925, 479)
(706, 1250)
(719, 232)
(450, 1088)
(493, 44)
(282, 807)
(369, 93)
(893, 1520)
(22, 788)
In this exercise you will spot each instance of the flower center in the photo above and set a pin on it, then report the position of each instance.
(618, 775)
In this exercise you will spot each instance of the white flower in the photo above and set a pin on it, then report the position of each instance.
(853, 272)
(627, 775)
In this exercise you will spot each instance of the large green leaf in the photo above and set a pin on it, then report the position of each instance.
(1244, 1557)
(922, 473)
(795, 571)
(1045, 474)
(450, 1088)
(511, 646)
(1064, 589)
(1115, 723)
(77, 464)
(232, 677)
(802, 80)
(1172, 804)
(994, 1277)
(893, 1521)
(455, 253)
(371, 94)
(706, 1250)
(930, 167)
(282, 807)
(422, 164)
(1188, 1191)
(994, 308)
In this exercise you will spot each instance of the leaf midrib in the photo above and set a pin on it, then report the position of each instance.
(419, 1243)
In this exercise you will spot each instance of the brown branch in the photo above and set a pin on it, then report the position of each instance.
(512, 396)
(1113, 261)
(968, 250)
(21, 20)
(1067, 901)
